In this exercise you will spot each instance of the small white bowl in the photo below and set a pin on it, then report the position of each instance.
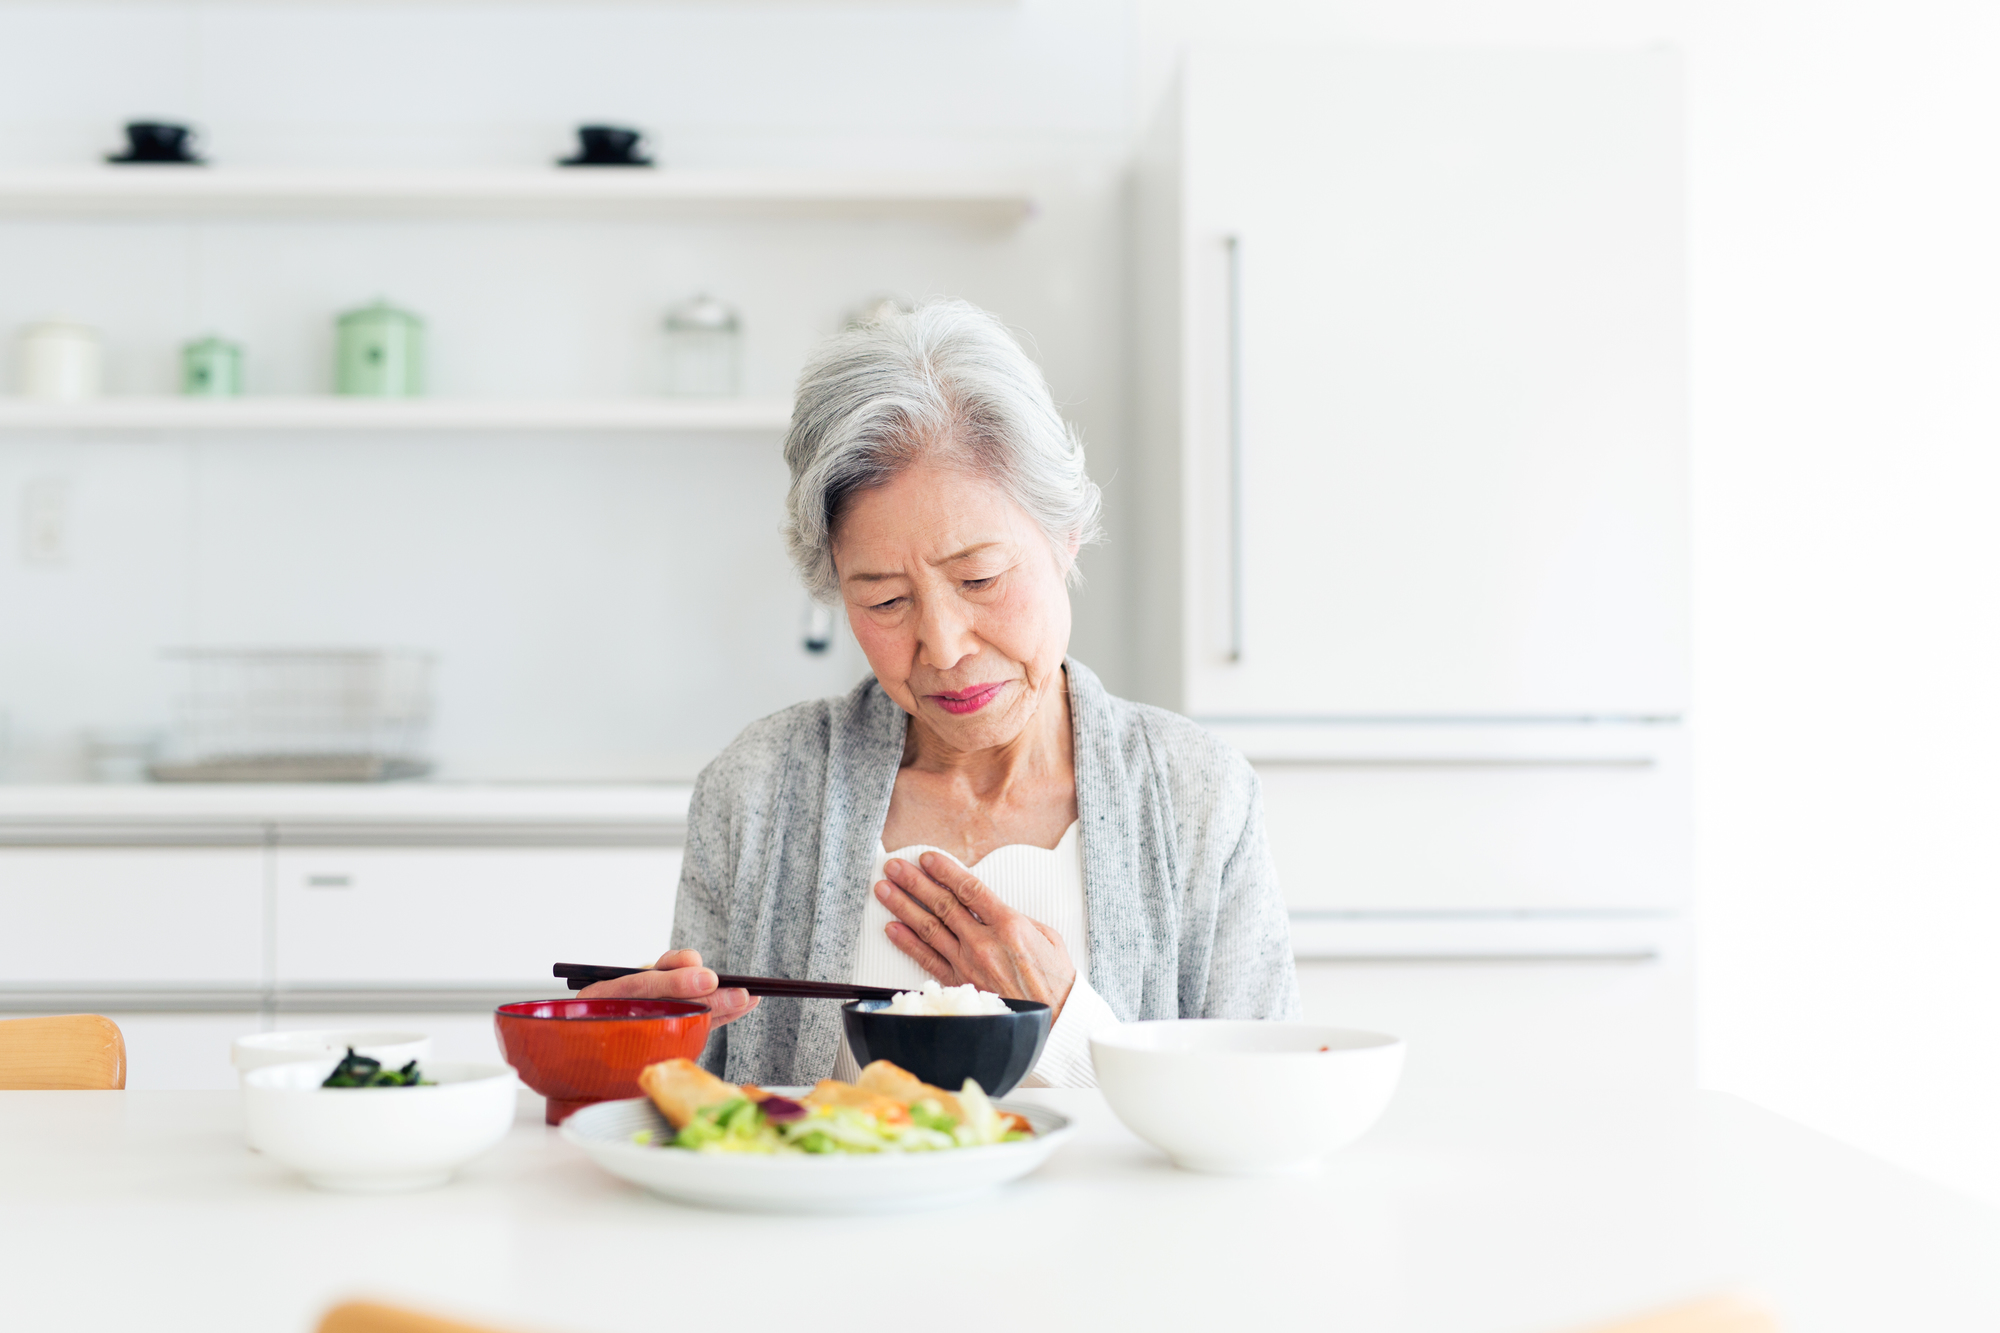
(261, 1049)
(393, 1049)
(1246, 1098)
(377, 1140)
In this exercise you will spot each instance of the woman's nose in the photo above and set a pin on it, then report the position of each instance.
(944, 634)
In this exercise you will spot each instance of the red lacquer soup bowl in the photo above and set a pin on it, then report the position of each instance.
(578, 1052)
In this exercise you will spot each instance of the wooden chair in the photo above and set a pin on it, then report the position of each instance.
(74, 1051)
(365, 1317)
(1716, 1314)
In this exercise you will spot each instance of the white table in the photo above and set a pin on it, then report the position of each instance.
(143, 1211)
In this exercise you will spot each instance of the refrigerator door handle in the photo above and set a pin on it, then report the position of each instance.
(1493, 937)
(1233, 248)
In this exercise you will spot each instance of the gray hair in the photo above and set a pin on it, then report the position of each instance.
(944, 381)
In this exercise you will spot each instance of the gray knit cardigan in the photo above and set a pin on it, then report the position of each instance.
(1184, 914)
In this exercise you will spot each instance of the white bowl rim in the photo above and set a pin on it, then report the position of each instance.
(453, 1074)
(1356, 1040)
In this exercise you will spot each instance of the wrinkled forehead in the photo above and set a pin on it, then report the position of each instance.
(930, 514)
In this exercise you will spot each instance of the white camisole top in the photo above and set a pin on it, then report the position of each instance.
(1045, 884)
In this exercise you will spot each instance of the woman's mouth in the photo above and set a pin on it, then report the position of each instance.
(970, 699)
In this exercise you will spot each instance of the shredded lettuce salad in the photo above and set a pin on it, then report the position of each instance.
(743, 1126)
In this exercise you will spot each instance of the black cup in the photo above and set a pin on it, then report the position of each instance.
(995, 1050)
(607, 146)
(156, 141)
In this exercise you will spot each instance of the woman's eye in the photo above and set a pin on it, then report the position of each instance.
(976, 584)
(889, 605)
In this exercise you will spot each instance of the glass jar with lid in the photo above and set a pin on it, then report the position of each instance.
(704, 349)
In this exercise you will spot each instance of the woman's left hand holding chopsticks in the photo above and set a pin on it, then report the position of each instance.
(679, 975)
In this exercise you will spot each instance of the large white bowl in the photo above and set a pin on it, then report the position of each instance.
(377, 1140)
(393, 1048)
(1246, 1098)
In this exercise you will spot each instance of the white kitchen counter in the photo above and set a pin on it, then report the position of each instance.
(195, 912)
(235, 814)
(1496, 1214)
(386, 802)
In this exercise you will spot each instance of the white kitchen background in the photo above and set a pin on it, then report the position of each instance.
(601, 606)
(615, 606)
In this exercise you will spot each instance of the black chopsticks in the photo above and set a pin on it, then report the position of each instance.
(580, 975)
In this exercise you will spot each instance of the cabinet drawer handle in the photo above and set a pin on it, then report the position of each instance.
(1233, 245)
(329, 881)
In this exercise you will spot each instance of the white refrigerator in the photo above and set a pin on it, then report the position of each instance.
(1409, 379)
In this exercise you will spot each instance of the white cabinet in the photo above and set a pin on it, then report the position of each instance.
(132, 916)
(1474, 819)
(440, 916)
(1476, 837)
(194, 914)
(1411, 386)
(1550, 829)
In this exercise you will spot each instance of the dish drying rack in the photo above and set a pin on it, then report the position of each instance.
(298, 715)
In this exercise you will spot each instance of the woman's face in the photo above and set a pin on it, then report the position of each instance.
(956, 598)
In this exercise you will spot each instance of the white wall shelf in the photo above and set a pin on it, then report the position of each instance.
(601, 193)
(398, 414)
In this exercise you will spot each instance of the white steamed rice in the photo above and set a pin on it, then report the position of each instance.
(948, 1001)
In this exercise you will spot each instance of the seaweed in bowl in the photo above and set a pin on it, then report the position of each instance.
(362, 1071)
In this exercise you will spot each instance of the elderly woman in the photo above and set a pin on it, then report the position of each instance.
(1050, 841)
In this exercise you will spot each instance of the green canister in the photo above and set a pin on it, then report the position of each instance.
(211, 368)
(381, 353)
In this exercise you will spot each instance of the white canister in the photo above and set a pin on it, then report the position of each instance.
(61, 361)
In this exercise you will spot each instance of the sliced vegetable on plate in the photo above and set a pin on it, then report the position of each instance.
(887, 1110)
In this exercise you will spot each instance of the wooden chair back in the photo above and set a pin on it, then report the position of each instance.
(73, 1051)
(367, 1317)
(1716, 1314)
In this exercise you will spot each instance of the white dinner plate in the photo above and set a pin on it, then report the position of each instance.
(801, 1183)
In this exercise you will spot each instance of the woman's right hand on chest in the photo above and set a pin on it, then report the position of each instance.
(678, 975)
